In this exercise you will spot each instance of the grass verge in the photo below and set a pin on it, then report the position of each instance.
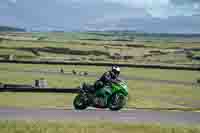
(177, 75)
(142, 94)
(90, 127)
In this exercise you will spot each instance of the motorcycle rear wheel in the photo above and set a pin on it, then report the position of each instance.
(79, 102)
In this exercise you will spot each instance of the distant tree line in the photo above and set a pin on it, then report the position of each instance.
(7, 28)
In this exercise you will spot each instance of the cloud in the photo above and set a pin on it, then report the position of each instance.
(183, 2)
(164, 8)
(13, 1)
(155, 8)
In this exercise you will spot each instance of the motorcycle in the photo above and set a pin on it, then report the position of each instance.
(113, 96)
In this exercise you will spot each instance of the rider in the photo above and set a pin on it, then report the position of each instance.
(108, 77)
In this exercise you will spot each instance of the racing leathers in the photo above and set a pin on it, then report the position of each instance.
(106, 79)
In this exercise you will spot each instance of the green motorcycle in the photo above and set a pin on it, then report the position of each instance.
(113, 96)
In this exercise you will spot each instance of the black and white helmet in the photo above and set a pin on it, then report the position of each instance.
(116, 70)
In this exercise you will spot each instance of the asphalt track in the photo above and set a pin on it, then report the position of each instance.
(129, 116)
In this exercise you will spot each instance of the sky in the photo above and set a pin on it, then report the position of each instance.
(142, 15)
(164, 8)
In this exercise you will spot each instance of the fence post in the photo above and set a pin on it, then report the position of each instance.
(11, 57)
(41, 83)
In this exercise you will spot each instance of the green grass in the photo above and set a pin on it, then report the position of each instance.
(90, 127)
(8, 47)
(142, 93)
(18, 54)
(110, 47)
(177, 75)
(36, 100)
(155, 95)
(196, 53)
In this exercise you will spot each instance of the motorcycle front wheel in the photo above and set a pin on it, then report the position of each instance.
(116, 101)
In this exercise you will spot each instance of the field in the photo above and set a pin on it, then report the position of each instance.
(151, 89)
(148, 87)
(144, 93)
(101, 47)
(90, 127)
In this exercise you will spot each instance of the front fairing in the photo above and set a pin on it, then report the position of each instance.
(120, 86)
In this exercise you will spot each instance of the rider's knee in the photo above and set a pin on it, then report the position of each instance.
(99, 84)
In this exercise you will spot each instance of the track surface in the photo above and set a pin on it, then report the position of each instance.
(130, 116)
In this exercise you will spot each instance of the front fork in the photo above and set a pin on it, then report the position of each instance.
(101, 100)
